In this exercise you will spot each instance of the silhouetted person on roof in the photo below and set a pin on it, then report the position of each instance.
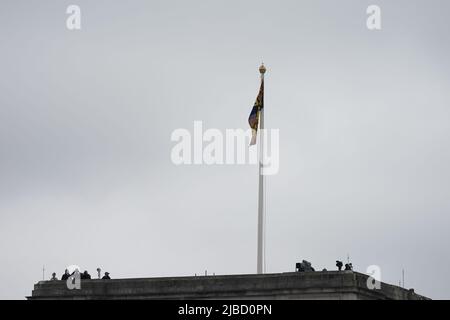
(339, 265)
(53, 277)
(106, 276)
(85, 275)
(348, 267)
(66, 275)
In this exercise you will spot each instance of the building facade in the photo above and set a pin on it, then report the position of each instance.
(323, 285)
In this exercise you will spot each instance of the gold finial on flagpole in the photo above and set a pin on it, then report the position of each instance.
(262, 69)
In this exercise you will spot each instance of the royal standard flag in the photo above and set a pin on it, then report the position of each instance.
(253, 119)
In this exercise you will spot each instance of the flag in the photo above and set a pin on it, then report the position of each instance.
(253, 119)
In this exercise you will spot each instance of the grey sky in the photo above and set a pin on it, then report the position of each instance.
(86, 118)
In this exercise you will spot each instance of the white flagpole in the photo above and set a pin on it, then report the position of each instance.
(260, 254)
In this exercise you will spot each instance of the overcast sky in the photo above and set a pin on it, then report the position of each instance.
(86, 118)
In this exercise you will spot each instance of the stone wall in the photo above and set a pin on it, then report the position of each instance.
(344, 285)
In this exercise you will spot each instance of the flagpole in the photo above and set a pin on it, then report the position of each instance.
(260, 253)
